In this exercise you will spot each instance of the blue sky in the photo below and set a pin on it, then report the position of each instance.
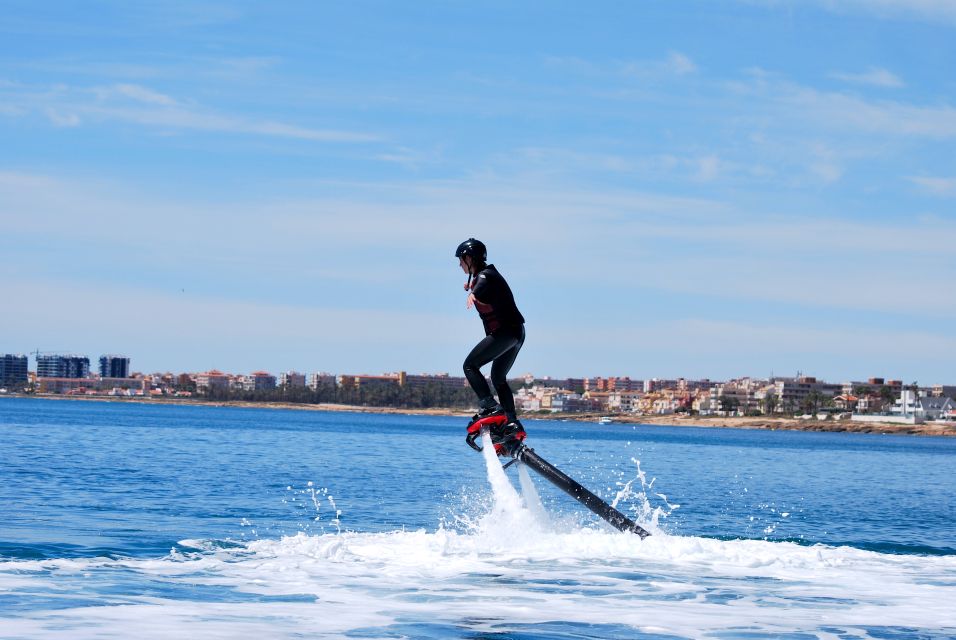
(701, 189)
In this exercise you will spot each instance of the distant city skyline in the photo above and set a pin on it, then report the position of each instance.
(698, 189)
(122, 364)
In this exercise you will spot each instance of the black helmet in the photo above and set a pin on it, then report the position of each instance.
(474, 248)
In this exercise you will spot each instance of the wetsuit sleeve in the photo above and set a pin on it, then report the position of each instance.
(482, 289)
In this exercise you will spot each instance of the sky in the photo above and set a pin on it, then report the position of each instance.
(707, 189)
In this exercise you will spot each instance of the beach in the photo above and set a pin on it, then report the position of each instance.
(675, 420)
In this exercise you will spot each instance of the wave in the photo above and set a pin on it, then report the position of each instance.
(504, 575)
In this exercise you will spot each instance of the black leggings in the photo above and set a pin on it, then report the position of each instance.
(501, 348)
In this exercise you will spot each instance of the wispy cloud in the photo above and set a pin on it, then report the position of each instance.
(134, 103)
(674, 64)
(708, 168)
(935, 186)
(930, 10)
(62, 119)
(825, 166)
(836, 110)
(813, 344)
(616, 234)
(200, 69)
(935, 10)
(138, 93)
(680, 63)
(874, 77)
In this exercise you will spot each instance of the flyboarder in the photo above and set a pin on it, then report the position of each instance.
(490, 294)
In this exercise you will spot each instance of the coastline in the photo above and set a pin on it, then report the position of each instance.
(756, 422)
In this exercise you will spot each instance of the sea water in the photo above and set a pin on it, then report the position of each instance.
(131, 520)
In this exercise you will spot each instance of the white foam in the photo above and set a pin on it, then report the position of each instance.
(682, 585)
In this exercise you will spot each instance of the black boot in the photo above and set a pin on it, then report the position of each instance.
(489, 410)
(508, 437)
(490, 415)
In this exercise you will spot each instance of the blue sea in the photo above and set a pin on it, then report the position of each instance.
(140, 521)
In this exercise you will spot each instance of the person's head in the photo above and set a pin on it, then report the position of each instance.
(471, 255)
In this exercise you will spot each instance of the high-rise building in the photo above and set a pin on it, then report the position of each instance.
(13, 369)
(113, 366)
(62, 366)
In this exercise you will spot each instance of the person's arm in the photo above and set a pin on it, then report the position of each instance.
(479, 290)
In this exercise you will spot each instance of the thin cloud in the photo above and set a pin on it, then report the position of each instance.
(680, 64)
(825, 167)
(70, 106)
(142, 94)
(675, 63)
(874, 77)
(930, 10)
(935, 186)
(707, 336)
(62, 119)
(708, 168)
(934, 10)
(843, 112)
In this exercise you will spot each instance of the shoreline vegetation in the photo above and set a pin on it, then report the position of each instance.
(680, 420)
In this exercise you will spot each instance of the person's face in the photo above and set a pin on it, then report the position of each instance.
(465, 263)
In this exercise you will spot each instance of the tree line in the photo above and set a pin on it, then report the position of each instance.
(371, 394)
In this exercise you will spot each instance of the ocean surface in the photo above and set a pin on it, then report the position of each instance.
(138, 521)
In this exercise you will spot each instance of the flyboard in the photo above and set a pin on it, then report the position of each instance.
(513, 446)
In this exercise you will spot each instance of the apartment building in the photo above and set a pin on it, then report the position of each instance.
(442, 380)
(613, 384)
(624, 401)
(114, 366)
(258, 381)
(357, 380)
(210, 380)
(317, 380)
(13, 369)
(792, 393)
(51, 365)
(943, 391)
(292, 380)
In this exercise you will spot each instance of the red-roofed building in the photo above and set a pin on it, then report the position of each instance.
(213, 379)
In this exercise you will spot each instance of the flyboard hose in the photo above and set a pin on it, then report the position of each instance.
(571, 487)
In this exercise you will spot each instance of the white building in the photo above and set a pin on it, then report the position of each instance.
(911, 408)
(292, 380)
(318, 379)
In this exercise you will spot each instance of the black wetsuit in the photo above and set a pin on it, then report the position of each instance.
(504, 335)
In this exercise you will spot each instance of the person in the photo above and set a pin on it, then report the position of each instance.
(504, 328)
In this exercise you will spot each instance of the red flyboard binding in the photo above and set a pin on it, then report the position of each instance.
(474, 428)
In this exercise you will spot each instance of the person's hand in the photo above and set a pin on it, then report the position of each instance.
(471, 301)
(468, 285)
